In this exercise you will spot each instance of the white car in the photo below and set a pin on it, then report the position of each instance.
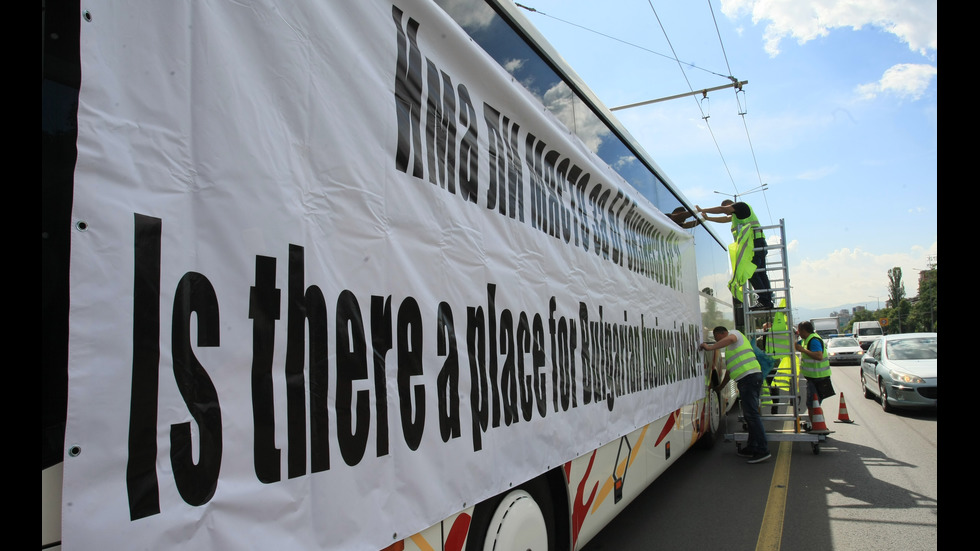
(844, 351)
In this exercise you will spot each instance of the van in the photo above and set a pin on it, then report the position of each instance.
(866, 332)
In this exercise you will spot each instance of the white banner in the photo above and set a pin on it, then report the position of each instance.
(335, 277)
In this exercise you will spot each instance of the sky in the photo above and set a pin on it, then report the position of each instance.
(839, 135)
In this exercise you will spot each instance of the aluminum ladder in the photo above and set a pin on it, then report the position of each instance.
(785, 419)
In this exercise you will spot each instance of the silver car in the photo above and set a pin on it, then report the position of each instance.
(844, 351)
(901, 370)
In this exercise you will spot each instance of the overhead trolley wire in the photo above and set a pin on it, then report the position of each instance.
(681, 64)
(755, 161)
(729, 77)
(703, 117)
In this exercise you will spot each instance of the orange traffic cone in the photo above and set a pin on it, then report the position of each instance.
(842, 415)
(819, 425)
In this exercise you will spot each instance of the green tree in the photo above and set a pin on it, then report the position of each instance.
(898, 318)
(924, 313)
(712, 317)
(896, 289)
(861, 315)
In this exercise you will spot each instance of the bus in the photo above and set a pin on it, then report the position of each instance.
(354, 275)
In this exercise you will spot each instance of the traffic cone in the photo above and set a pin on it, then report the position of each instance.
(842, 415)
(819, 425)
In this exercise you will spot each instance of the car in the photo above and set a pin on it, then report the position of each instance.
(866, 332)
(844, 351)
(900, 370)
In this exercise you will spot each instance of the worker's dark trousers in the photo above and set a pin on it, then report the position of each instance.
(749, 392)
(760, 280)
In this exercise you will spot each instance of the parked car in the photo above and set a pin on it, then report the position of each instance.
(844, 351)
(900, 370)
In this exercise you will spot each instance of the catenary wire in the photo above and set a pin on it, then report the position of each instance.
(681, 64)
(724, 54)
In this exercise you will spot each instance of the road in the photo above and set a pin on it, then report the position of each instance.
(873, 485)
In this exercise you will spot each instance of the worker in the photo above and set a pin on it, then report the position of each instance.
(680, 215)
(778, 342)
(815, 366)
(743, 220)
(744, 369)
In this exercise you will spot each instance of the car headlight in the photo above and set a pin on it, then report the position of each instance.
(900, 377)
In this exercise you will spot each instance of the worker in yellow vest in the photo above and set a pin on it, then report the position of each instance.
(778, 344)
(815, 366)
(744, 369)
(746, 230)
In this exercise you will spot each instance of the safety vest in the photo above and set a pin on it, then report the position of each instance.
(784, 375)
(740, 358)
(752, 221)
(765, 398)
(814, 369)
(742, 266)
(778, 341)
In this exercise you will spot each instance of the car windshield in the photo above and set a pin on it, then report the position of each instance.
(841, 342)
(924, 348)
(869, 331)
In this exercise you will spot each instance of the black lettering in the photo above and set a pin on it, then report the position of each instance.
(295, 378)
(142, 485)
(263, 310)
(447, 382)
(526, 381)
(409, 365)
(351, 366)
(381, 343)
(440, 129)
(408, 95)
(195, 483)
(476, 350)
(508, 377)
(469, 159)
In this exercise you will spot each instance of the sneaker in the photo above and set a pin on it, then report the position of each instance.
(761, 307)
(746, 452)
(759, 457)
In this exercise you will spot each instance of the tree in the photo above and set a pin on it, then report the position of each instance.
(924, 313)
(712, 317)
(862, 315)
(896, 289)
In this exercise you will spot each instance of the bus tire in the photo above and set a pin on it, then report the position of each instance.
(526, 517)
(713, 418)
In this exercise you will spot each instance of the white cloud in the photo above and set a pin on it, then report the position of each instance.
(905, 80)
(915, 22)
(849, 276)
(513, 65)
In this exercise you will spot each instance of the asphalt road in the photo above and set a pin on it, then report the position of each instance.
(873, 485)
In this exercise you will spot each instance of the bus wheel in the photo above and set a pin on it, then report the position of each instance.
(713, 430)
(517, 523)
(533, 516)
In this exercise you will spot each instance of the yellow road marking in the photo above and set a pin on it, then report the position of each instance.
(771, 533)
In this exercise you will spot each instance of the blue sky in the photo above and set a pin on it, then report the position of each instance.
(840, 123)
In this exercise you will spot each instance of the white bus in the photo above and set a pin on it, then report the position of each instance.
(353, 275)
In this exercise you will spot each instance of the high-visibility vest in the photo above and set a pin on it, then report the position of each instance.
(784, 375)
(752, 221)
(814, 369)
(779, 341)
(765, 398)
(742, 266)
(740, 358)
